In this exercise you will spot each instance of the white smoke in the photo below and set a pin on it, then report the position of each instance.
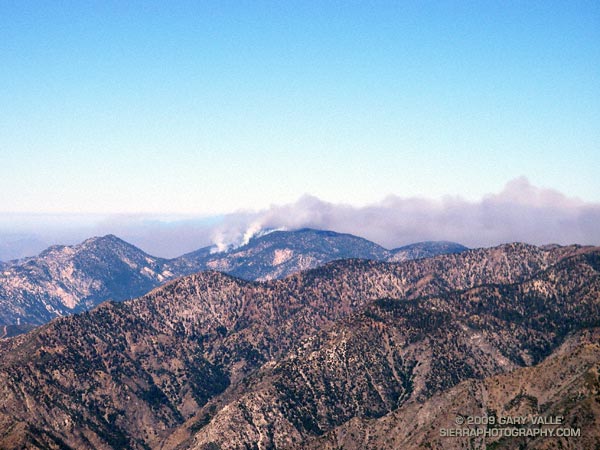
(254, 228)
(519, 212)
(234, 233)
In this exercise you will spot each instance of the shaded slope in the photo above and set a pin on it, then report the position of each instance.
(566, 384)
(398, 350)
(130, 374)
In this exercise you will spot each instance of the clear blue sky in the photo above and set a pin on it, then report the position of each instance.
(206, 107)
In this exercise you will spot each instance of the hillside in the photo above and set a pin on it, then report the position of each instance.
(64, 280)
(210, 359)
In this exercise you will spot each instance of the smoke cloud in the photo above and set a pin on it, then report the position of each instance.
(520, 212)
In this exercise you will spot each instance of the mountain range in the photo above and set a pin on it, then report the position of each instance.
(64, 280)
(352, 354)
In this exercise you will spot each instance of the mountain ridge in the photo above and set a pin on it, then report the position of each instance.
(181, 353)
(63, 280)
(481, 345)
(567, 380)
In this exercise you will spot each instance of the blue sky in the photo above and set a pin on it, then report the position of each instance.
(210, 107)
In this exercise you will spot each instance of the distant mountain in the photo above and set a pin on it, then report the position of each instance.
(424, 250)
(208, 361)
(14, 245)
(68, 279)
(281, 253)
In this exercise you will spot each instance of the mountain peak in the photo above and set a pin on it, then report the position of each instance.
(106, 239)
